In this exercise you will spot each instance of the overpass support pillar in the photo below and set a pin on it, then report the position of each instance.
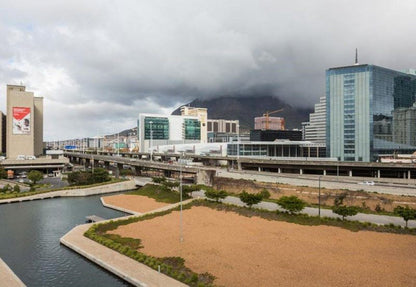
(378, 173)
(118, 169)
(107, 164)
(300, 171)
(350, 173)
(87, 162)
(205, 177)
(259, 168)
(279, 170)
(167, 173)
(409, 174)
(238, 165)
(324, 171)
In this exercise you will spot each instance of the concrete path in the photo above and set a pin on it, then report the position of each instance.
(330, 182)
(7, 276)
(126, 268)
(362, 217)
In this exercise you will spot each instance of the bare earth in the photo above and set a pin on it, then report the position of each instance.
(134, 202)
(242, 251)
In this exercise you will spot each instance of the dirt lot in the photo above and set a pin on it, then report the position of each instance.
(310, 194)
(243, 251)
(134, 202)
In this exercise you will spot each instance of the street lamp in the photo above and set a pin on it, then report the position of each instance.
(151, 141)
(319, 197)
(180, 199)
(238, 146)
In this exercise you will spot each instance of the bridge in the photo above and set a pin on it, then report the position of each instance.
(318, 166)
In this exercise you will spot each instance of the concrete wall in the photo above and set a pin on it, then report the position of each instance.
(38, 131)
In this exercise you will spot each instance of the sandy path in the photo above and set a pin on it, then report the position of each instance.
(242, 251)
(132, 202)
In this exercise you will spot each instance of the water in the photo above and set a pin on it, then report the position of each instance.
(29, 242)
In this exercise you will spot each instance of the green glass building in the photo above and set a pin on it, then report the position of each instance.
(361, 101)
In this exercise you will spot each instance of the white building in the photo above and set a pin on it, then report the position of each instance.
(202, 115)
(315, 131)
(155, 130)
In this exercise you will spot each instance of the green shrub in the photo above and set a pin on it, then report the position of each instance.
(16, 188)
(249, 198)
(406, 213)
(265, 193)
(292, 204)
(345, 211)
(216, 194)
(157, 179)
(35, 176)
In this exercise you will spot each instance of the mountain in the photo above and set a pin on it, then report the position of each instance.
(246, 109)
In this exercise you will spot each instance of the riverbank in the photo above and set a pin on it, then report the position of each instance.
(126, 268)
(7, 276)
(101, 189)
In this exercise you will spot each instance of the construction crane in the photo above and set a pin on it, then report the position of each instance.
(266, 114)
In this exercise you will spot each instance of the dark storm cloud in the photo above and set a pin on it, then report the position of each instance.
(91, 58)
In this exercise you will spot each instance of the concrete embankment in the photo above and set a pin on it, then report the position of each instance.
(101, 189)
(126, 268)
(7, 276)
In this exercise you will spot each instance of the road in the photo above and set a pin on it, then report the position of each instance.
(362, 217)
(329, 182)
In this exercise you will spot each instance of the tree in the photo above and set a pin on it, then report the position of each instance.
(3, 173)
(35, 176)
(100, 175)
(16, 188)
(249, 198)
(406, 212)
(292, 204)
(216, 194)
(345, 211)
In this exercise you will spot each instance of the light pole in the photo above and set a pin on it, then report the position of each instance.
(238, 146)
(180, 199)
(151, 141)
(319, 197)
(118, 144)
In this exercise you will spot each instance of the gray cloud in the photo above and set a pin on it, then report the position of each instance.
(100, 63)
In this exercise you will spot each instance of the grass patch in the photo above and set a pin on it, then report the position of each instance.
(160, 193)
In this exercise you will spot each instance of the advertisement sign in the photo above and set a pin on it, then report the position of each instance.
(21, 120)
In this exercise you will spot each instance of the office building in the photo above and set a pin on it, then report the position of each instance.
(202, 115)
(315, 129)
(361, 101)
(24, 123)
(155, 130)
(220, 130)
(404, 129)
(269, 123)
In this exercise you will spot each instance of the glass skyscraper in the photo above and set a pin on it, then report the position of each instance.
(360, 102)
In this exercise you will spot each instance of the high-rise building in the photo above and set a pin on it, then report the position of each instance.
(315, 129)
(202, 115)
(360, 101)
(24, 123)
(404, 125)
(155, 130)
(269, 123)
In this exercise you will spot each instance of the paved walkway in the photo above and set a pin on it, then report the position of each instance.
(362, 217)
(7, 276)
(126, 268)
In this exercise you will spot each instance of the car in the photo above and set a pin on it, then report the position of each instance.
(367, 183)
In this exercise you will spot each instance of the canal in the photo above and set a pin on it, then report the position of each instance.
(29, 242)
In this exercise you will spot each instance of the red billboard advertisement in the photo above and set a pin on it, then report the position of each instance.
(21, 120)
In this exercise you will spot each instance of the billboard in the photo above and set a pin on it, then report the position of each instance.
(21, 120)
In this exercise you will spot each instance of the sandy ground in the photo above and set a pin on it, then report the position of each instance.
(242, 251)
(134, 202)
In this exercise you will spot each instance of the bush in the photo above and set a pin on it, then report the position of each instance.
(16, 188)
(3, 173)
(292, 204)
(345, 211)
(216, 194)
(265, 193)
(158, 179)
(250, 199)
(87, 177)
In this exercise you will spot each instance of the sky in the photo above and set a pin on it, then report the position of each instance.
(98, 64)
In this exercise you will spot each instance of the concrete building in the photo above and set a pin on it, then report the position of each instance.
(202, 115)
(269, 123)
(24, 123)
(315, 129)
(404, 129)
(360, 101)
(271, 135)
(220, 130)
(155, 130)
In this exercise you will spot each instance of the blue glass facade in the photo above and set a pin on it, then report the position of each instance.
(360, 103)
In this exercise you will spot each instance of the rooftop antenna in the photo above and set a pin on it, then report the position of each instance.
(356, 56)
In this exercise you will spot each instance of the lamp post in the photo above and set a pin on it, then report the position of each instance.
(180, 199)
(238, 146)
(151, 141)
(319, 196)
